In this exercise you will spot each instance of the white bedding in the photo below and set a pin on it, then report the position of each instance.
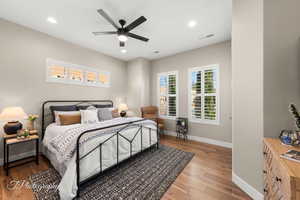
(90, 165)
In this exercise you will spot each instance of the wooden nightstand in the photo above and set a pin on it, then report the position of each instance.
(10, 140)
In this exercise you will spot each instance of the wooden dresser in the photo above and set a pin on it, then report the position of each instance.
(281, 176)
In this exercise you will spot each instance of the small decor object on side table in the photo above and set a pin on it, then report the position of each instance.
(23, 134)
(122, 109)
(182, 127)
(12, 115)
(292, 137)
(31, 120)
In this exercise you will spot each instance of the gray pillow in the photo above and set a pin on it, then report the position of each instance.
(104, 114)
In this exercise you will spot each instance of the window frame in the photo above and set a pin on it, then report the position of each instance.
(177, 94)
(84, 70)
(203, 94)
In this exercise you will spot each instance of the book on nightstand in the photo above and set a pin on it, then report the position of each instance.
(291, 155)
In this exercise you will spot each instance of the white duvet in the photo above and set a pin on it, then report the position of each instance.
(90, 165)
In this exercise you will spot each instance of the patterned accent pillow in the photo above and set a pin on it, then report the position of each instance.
(89, 116)
(104, 114)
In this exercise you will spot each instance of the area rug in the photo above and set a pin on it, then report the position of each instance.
(145, 176)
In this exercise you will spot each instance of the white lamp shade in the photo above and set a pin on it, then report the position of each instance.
(13, 114)
(122, 107)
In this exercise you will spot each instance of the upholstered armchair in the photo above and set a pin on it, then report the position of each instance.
(151, 112)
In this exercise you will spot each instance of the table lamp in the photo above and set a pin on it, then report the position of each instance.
(12, 115)
(122, 109)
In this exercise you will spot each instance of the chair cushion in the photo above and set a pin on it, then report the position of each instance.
(150, 116)
(149, 110)
(161, 126)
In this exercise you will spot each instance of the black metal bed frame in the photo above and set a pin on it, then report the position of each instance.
(118, 134)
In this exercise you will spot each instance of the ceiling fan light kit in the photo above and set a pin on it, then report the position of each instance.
(122, 38)
(122, 32)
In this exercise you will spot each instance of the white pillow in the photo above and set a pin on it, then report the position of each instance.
(89, 116)
(57, 113)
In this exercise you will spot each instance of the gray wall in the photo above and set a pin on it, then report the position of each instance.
(214, 54)
(266, 78)
(138, 75)
(281, 64)
(247, 90)
(23, 54)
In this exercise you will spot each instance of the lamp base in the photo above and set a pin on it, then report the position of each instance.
(123, 113)
(12, 127)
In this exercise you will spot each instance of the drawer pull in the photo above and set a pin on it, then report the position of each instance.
(278, 179)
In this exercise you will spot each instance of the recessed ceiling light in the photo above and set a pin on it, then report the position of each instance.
(123, 51)
(192, 23)
(52, 20)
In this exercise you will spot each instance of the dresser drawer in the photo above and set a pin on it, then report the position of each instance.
(282, 182)
(277, 183)
(268, 157)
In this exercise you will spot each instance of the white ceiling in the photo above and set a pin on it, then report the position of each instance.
(166, 25)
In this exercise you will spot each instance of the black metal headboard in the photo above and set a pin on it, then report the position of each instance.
(106, 103)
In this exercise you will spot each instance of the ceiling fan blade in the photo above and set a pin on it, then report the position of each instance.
(136, 23)
(138, 37)
(105, 33)
(122, 44)
(107, 17)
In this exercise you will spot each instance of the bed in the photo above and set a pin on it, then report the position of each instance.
(80, 153)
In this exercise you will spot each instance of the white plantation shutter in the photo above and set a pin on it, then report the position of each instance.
(204, 94)
(167, 94)
(172, 95)
(163, 95)
(210, 89)
(196, 95)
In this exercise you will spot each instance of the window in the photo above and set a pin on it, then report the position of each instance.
(57, 72)
(104, 78)
(91, 77)
(62, 72)
(76, 75)
(204, 94)
(168, 94)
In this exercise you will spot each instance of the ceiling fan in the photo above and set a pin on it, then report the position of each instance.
(122, 32)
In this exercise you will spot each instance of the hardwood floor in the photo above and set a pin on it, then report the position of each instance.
(206, 177)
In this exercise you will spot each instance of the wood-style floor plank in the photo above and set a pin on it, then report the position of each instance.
(206, 177)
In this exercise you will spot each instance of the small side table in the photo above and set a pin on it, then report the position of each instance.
(182, 127)
(10, 140)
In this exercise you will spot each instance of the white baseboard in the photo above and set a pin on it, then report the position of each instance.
(18, 156)
(251, 191)
(203, 139)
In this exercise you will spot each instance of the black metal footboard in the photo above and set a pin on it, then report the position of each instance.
(47, 118)
(117, 135)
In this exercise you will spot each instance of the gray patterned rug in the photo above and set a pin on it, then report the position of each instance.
(145, 176)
